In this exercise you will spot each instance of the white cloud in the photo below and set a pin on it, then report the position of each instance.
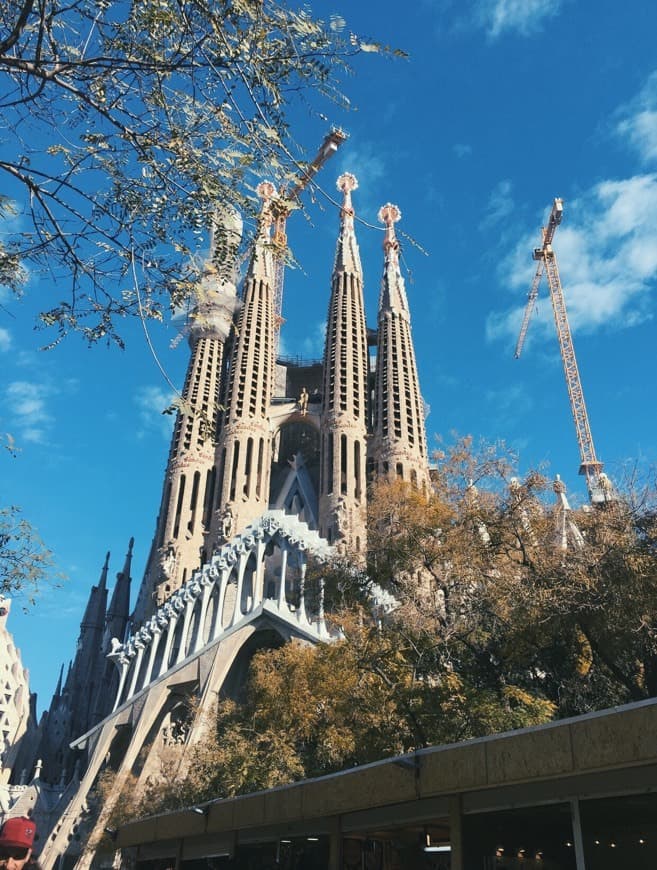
(500, 204)
(5, 339)
(521, 16)
(462, 149)
(638, 124)
(151, 402)
(26, 404)
(33, 435)
(607, 250)
(313, 343)
(364, 161)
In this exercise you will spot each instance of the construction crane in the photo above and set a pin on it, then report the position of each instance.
(282, 207)
(596, 481)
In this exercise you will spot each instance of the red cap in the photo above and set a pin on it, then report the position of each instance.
(18, 833)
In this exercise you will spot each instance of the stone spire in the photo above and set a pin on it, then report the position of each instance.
(179, 545)
(244, 445)
(94, 614)
(116, 624)
(398, 448)
(342, 506)
(58, 690)
(566, 533)
(71, 710)
(347, 255)
(118, 612)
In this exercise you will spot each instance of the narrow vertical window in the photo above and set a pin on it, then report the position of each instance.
(222, 475)
(246, 489)
(179, 504)
(261, 453)
(210, 479)
(233, 474)
(165, 512)
(193, 502)
(329, 482)
(357, 491)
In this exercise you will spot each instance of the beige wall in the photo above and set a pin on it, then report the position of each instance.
(611, 750)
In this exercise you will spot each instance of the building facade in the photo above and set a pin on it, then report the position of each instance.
(255, 433)
(269, 467)
(268, 464)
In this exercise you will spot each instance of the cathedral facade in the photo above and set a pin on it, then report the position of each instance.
(269, 464)
(255, 433)
(269, 468)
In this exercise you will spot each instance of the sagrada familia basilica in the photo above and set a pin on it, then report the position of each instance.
(267, 474)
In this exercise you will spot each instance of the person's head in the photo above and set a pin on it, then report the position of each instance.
(16, 841)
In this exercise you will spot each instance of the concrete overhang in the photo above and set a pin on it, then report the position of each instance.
(605, 753)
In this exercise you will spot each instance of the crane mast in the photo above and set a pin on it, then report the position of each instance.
(281, 208)
(590, 466)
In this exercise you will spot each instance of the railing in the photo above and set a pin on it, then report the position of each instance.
(246, 575)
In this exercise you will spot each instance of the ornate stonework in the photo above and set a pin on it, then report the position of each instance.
(343, 484)
(267, 470)
(398, 448)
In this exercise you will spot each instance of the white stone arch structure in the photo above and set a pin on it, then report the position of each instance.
(169, 658)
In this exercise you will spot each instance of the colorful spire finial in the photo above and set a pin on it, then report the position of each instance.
(266, 190)
(389, 214)
(346, 183)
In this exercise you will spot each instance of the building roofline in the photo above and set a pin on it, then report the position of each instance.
(578, 749)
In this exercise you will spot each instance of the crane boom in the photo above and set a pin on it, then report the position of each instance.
(281, 209)
(548, 234)
(529, 310)
(590, 466)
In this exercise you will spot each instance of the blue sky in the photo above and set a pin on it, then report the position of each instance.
(503, 105)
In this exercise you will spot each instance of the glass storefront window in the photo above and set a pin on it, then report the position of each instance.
(620, 832)
(531, 838)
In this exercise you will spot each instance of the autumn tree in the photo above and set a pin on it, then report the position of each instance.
(587, 621)
(125, 124)
(474, 615)
(483, 574)
(26, 565)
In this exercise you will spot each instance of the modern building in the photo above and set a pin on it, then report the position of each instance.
(579, 794)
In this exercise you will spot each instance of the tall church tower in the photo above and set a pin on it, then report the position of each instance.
(71, 713)
(252, 434)
(342, 506)
(398, 448)
(179, 546)
(214, 488)
(117, 620)
(244, 443)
